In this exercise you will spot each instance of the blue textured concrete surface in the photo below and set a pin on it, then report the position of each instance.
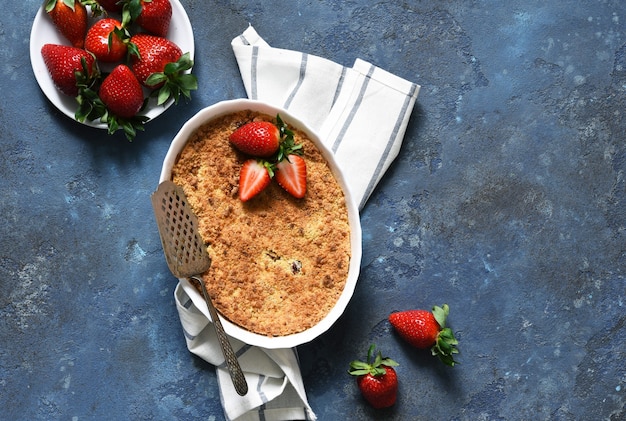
(506, 202)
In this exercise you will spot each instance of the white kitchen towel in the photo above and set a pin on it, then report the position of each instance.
(361, 113)
(275, 386)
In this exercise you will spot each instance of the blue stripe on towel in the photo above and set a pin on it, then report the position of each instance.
(238, 353)
(353, 111)
(390, 142)
(259, 389)
(188, 335)
(262, 412)
(303, 63)
(339, 85)
(253, 73)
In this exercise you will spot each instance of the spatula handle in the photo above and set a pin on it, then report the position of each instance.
(236, 374)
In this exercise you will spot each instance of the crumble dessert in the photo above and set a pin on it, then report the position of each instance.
(279, 264)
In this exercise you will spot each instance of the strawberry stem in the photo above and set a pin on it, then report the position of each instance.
(175, 81)
(445, 346)
(96, 9)
(130, 12)
(375, 368)
(287, 145)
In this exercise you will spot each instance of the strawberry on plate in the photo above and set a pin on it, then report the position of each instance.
(106, 40)
(377, 380)
(70, 19)
(159, 64)
(121, 92)
(69, 67)
(116, 103)
(152, 15)
(122, 95)
(254, 177)
(291, 175)
(425, 329)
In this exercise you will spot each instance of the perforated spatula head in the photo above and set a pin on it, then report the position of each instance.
(185, 251)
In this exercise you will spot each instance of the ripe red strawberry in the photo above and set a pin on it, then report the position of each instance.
(159, 63)
(70, 18)
(377, 380)
(69, 67)
(121, 92)
(105, 39)
(155, 16)
(425, 329)
(257, 138)
(152, 54)
(254, 177)
(291, 175)
(152, 15)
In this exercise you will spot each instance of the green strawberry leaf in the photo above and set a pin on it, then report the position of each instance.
(441, 313)
(175, 81)
(96, 9)
(445, 346)
(131, 12)
(164, 94)
(287, 144)
(374, 368)
(49, 5)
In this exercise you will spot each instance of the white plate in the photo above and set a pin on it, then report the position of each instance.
(44, 32)
(233, 330)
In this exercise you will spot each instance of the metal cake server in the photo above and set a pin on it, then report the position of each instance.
(187, 257)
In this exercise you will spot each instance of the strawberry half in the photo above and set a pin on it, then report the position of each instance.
(254, 177)
(256, 138)
(425, 329)
(69, 67)
(377, 380)
(291, 175)
(70, 19)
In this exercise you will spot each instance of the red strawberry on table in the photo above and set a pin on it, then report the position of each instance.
(426, 329)
(70, 18)
(159, 64)
(105, 39)
(254, 177)
(291, 175)
(377, 380)
(257, 138)
(69, 67)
